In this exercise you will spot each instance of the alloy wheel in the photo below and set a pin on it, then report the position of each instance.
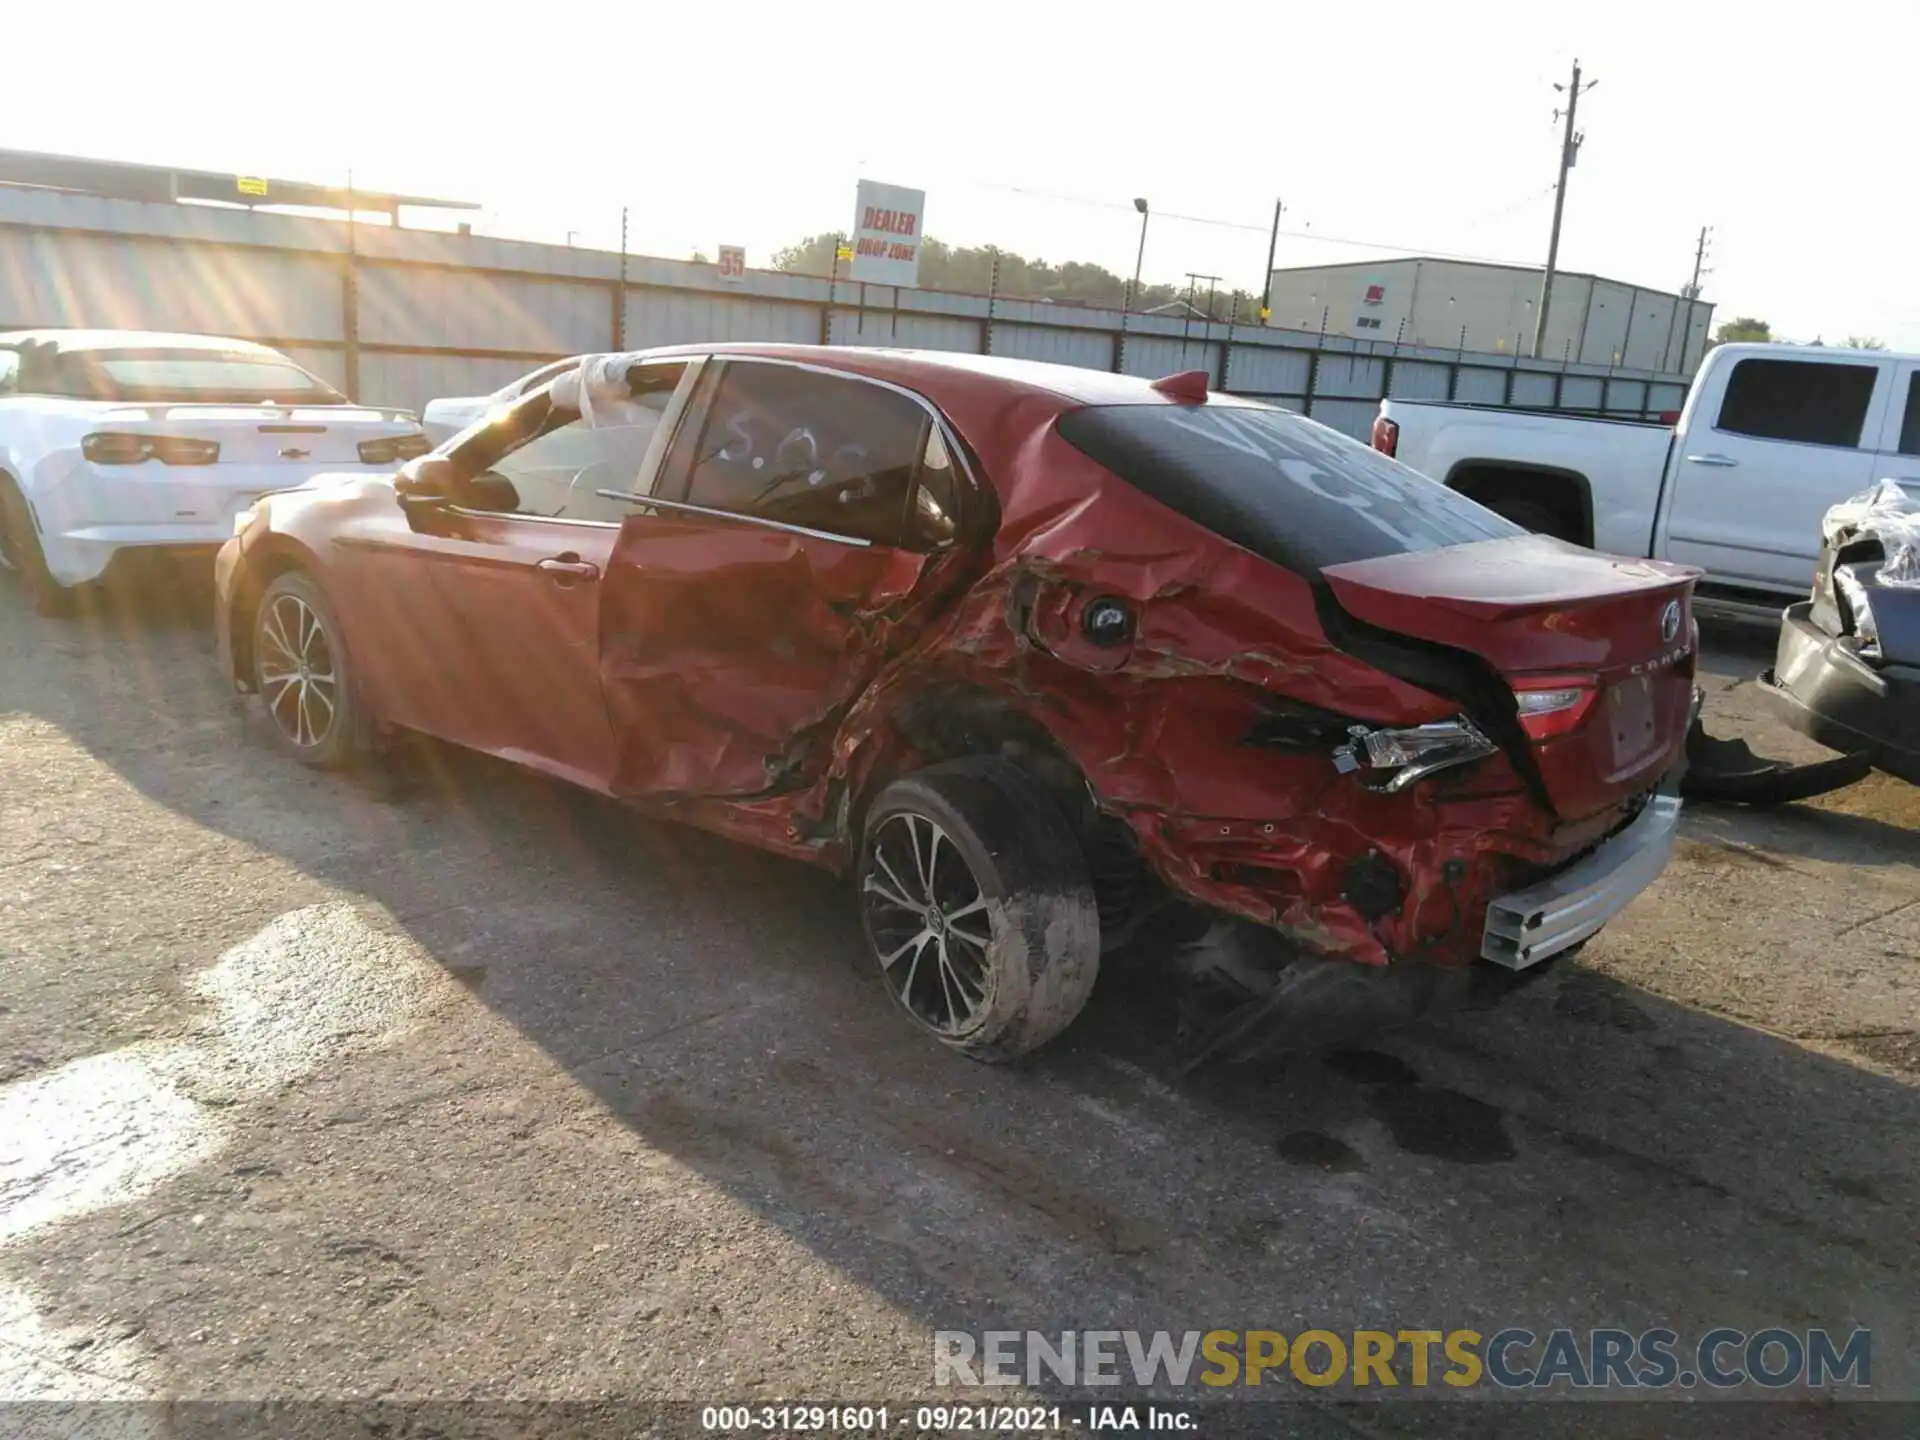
(297, 674)
(926, 918)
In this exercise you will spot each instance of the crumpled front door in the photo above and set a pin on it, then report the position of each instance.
(730, 650)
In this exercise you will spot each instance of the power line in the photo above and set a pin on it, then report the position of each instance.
(1262, 229)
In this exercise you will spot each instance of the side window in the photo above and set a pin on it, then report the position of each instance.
(824, 451)
(934, 517)
(9, 371)
(1910, 423)
(557, 470)
(1797, 400)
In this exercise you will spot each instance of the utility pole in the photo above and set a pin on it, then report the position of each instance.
(1569, 152)
(1266, 283)
(1689, 292)
(1699, 259)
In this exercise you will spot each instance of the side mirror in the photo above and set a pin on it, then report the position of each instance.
(425, 481)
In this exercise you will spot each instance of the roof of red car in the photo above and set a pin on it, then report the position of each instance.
(927, 371)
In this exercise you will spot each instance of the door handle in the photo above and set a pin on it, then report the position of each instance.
(566, 569)
(1723, 461)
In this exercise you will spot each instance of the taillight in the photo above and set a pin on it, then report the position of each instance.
(109, 448)
(1386, 436)
(1669, 417)
(392, 449)
(1403, 756)
(1553, 705)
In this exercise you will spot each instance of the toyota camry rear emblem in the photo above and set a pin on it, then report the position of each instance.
(1670, 621)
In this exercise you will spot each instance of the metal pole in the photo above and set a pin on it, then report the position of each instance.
(1569, 148)
(1140, 256)
(1266, 285)
(993, 290)
(1133, 290)
(833, 285)
(620, 300)
(351, 298)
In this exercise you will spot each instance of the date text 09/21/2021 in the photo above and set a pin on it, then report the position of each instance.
(944, 1419)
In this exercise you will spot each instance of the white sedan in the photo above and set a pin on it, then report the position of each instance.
(445, 418)
(120, 441)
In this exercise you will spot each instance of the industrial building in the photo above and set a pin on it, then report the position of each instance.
(1468, 305)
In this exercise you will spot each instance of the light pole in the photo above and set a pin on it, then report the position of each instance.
(1133, 291)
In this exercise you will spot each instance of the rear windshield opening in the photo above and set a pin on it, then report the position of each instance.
(1291, 491)
(190, 376)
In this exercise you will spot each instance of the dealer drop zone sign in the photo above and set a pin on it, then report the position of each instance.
(886, 234)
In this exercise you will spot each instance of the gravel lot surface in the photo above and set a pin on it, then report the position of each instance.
(453, 1083)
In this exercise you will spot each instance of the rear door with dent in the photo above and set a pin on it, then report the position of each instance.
(793, 546)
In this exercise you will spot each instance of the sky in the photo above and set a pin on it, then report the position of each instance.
(1415, 129)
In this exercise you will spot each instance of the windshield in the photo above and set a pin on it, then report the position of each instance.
(224, 377)
(1290, 490)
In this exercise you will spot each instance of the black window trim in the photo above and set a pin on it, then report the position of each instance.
(1909, 413)
(700, 409)
(1867, 441)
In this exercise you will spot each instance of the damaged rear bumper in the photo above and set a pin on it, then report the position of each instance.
(1829, 694)
(1527, 926)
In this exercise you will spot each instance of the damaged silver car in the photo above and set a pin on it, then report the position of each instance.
(1847, 670)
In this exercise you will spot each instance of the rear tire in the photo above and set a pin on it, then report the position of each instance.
(20, 546)
(303, 676)
(977, 907)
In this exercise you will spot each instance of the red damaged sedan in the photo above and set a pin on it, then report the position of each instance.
(1040, 656)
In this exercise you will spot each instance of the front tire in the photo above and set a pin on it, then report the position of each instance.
(20, 546)
(302, 675)
(977, 907)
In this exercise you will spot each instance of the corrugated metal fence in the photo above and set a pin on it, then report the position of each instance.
(397, 317)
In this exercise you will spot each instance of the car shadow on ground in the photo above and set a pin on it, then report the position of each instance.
(1813, 831)
(1588, 1154)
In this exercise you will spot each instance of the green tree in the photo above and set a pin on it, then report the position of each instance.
(811, 256)
(984, 269)
(1744, 327)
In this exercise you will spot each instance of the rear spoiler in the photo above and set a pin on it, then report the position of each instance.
(187, 410)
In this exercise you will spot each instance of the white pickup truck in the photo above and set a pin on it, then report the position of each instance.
(1770, 437)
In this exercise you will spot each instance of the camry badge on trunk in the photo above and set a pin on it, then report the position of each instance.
(1669, 617)
(294, 452)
